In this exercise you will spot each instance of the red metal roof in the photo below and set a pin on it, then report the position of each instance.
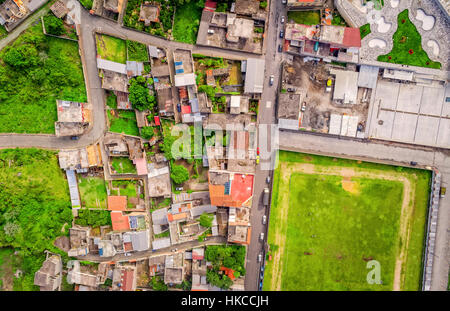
(352, 37)
(157, 120)
(185, 109)
(119, 221)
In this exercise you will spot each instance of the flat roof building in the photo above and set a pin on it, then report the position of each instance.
(254, 75)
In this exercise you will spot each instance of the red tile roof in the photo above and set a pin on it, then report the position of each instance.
(352, 37)
(117, 203)
(119, 221)
(127, 279)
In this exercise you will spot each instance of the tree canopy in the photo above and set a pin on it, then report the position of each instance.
(139, 94)
(179, 174)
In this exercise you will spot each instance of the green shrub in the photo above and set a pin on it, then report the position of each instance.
(179, 174)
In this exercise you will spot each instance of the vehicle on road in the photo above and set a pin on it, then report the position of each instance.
(178, 107)
(257, 150)
(262, 268)
(271, 80)
(328, 87)
(257, 159)
(284, 1)
(442, 192)
(280, 49)
(413, 163)
(281, 34)
(266, 197)
(74, 137)
(211, 31)
(261, 236)
(259, 257)
(268, 179)
(260, 285)
(282, 19)
(127, 254)
(264, 219)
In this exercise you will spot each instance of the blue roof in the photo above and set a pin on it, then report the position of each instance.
(178, 63)
(179, 71)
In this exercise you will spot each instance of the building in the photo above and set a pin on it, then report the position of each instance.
(13, 12)
(345, 86)
(174, 269)
(230, 189)
(139, 240)
(117, 203)
(254, 75)
(81, 275)
(149, 13)
(79, 241)
(73, 118)
(124, 278)
(323, 41)
(49, 276)
(304, 4)
(59, 9)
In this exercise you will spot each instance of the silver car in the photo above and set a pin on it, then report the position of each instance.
(282, 19)
(264, 219)
(271, 80)
(259, 257)
(261, 236)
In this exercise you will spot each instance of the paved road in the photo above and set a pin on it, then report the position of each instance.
(150, 253)
(389, 154)
(266, 115)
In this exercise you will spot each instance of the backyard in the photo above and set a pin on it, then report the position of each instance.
(123, 121)
(35, 71)
(111, 48)
(122, 165)
(407, 48)
(186, 22)
(128, 188)
(92, 191)
(137, 51)
(338, 216)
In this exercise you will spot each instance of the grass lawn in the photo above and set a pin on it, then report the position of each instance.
(87, 3)
(111, 48)
(30, 86)
(305, 17)
(407, 48)
(364, 30)
(186, 22)
(92, 191)
(137, 51)
(123, 121)
(123, 165)
(338, 215)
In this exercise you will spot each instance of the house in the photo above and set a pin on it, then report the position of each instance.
(13, 12)
(79, 241)
(230, 189)
(160, 221)
(106, 248)
(59, 9)
(254, 75)
(120, 222)
(80, 275)
(345, 86)
(159, 184)
(198, 253)
(73, 118)
(141, 166)
(139, 240)
(49, 276)
(156, 265)
(134, 68)
(124, 278)
(149, 13)
(239, 229)
(304, 4)
(174, 269)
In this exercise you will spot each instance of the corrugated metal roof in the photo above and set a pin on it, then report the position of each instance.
(254, 76)
(73, 189)
(161, 243)
(111, 66)
(368, 76)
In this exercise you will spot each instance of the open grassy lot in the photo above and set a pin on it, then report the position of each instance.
(111, 48)
(137, 51)
(123, 121)
(128, 188)
(123, 165)
(35, 71)
(305, 17)
(186, 22)
(92, 191)
(340, 214)
(407, 48)
(34, 210)
(364, 30)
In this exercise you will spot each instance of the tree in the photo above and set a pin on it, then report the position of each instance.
(158, 284)
(179, 174)
(147, 132)
(139, 94)
(206, 220)
(54, 25)
(23, 56)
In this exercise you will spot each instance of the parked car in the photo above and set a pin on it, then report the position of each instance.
(259, 257)
(261, 236)
(262, 268)
(284, 1)
(443, 191)
(257, 159)
(271, 80)
(268, 179)
(260, 285)
(179, 188)
(211, 31)
(264, 219)
(178, 107)
(127, 254)
(74, 137)
(291, 89)
(303, 107)
(413, 163)
(282, 19)
(281, 34)
(280, 49)
(266, 197)
(257, 150)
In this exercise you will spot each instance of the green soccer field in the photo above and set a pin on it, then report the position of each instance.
(337, 216)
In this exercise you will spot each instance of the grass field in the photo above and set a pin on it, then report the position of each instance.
(123, 121)
(35, 71)
(123, 165)
(92, 191)
(111, 48)
(407, 48)
(364, 30)
(305, 17)
(186, 22)
(338, 215)
(125, 187)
